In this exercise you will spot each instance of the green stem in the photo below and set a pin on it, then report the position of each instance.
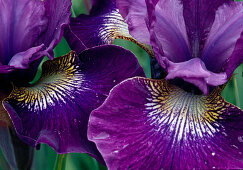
(237, 97)
(60, 163)
(73, 12)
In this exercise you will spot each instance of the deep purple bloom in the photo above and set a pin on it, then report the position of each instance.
(154, 124)
(202, 34)
(29, 30)
(55, 110)
(101, 26)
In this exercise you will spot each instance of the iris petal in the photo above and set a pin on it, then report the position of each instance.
(223, 36)
(150, 124)
(199, 16)
(21, 35)
(194, 71)
(168, 35)
(102, 26)
(135, 14)
(236, 58)
(58, 13)
(55, 110)
(29, 24)
(21, 60)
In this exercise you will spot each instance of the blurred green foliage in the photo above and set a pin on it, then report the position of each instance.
(233, 92)
(3, 163)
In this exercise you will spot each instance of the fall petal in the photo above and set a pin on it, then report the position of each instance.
(149, 124)
(55, 109)
(101, 26)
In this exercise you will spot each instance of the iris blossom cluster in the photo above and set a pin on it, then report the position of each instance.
(54, 110)
(96, 99)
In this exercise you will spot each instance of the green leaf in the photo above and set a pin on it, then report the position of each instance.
(80, 7)
(44, 158)
(233, 92)
(62, 48)
(76, 161)
(60, 163)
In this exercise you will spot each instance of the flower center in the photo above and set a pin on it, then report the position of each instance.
(188, 87)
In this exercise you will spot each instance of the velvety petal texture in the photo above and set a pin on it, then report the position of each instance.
(181, 30)
(55, 110)
(199, 16)
(58, 13)
(221, 42)
(21, 60)
(150, 124)
(30, 29)
(168, 31)
(101, 26)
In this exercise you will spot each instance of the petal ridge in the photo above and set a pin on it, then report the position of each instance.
(56, 108)
(151, 124)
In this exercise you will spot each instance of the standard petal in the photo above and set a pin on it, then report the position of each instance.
(135, 14)
(167, 29)
(221, 42)
(195, 72)
(58, 13)
(102, 26)
(28, 24)
(236, 58)
(199, 16)
(22, 60)
(22, 22)
(149, 124)
(56, 109)
(74, 41)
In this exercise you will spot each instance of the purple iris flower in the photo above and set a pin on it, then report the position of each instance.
(55, 110)
(29, 30)
(156, 124)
